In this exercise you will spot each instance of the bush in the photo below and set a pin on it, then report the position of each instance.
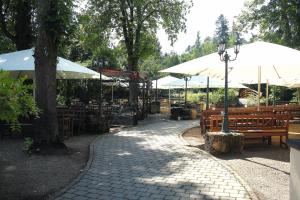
(28, 145)
(217, 97)
(252, 100)
(196, 97)
(15, 100)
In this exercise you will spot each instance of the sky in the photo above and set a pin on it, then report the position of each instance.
(202, 17)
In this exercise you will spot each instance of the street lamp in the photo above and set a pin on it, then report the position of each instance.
(100, 64)
(225, 57)
(186, 78)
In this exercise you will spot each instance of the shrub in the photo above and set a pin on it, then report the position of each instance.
(252, 100)
(15, 100)
(195, 97)
(217, 97)
(28, 145)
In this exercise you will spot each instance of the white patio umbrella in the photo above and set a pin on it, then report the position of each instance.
(277, 63)
(201, 82)
(258, 62)
(22, 63)
(164, 83)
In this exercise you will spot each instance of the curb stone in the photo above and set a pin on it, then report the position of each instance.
(83, 171)
(249, 190)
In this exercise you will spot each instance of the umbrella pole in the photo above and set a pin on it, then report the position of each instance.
(100, 98)
(274, 89)
(207, 94)
(169, 97)
(156, 94)
(185, 92)
(258, 89)
(112, 92)
(267, 93)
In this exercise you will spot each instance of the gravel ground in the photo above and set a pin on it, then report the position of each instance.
(24, 177)
(265, 168)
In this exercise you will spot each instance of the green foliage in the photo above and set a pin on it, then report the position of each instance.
(169, 60)
(15, 100)
(276, 21)
(196, 97)
(16, 23)
(56, 20)
(6, 45)
(217, 97)
(134, 23)
(252, 100)
(151, 66)
(28, 145)
(222, 29)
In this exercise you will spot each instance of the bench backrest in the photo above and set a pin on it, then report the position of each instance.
(251, 122)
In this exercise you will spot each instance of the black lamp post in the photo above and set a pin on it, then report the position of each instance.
(186, 78)
(224, 56)
(100, 64)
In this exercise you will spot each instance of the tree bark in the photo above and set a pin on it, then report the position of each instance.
(45, 74)
(133, 84)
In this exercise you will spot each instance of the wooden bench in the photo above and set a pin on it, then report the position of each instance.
(254, 126)
(205, 115)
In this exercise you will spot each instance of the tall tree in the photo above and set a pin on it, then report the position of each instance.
(16, 22)
(222, 29)
(131, 19)
(52, 18)
(276, 21)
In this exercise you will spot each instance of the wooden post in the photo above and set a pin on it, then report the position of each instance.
(258, 89)
(207, 94)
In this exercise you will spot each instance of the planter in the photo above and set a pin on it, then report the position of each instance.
(155, 107)
(222, 143)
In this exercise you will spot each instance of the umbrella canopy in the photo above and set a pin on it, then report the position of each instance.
(292, 83)
(22, 63)
(164, 83)
(201, 82)
(277, 64)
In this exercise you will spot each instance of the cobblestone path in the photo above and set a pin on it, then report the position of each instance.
(151, 162)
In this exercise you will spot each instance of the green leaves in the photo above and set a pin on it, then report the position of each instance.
(133, 21)
(15, 100)
(222, 30)
(57, 18)
(217, 97)
(276, 21)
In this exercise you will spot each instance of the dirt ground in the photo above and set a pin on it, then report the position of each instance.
(265, 168)
(36, 177)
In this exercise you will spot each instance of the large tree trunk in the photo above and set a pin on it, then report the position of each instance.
(133, 84)
(45, 74)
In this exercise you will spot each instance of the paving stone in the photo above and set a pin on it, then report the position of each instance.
(151, 162)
